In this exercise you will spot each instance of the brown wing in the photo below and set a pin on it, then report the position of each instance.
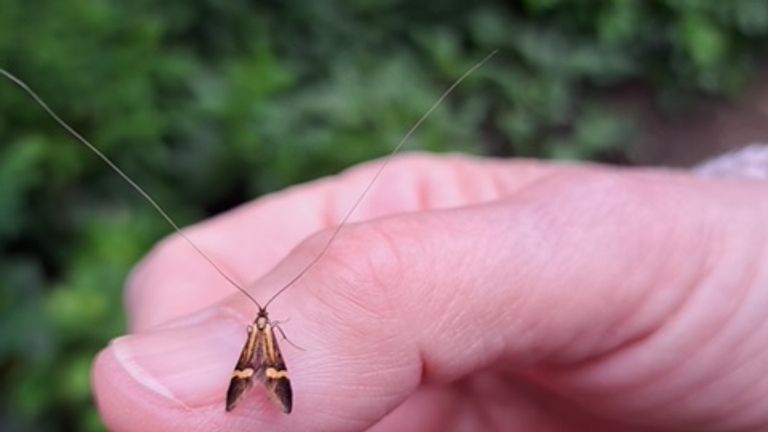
(275, 374)
(248, 365)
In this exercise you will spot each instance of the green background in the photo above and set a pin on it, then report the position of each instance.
(208, 104)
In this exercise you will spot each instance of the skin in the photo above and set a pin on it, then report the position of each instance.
(468, 294)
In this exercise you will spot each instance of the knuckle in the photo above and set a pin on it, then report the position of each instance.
(596, 184)
(152, 272)
(610, 186)
(166, 250)
(358, 276)
(586, 197)
(406, 162)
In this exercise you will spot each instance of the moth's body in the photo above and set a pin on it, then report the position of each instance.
(262, 361)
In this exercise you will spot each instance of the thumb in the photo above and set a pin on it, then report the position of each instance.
(571, 268)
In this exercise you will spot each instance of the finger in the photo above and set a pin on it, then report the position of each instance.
(507, 403)
(248, 241)
(568, 271)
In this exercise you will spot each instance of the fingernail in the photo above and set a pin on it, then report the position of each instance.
(189, 364)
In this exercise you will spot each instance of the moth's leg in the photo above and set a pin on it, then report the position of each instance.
(276, 326)
(276, 323)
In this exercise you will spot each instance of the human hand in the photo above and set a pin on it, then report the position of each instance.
(476, 294)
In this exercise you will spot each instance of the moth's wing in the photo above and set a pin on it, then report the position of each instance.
(247, 368)
(237, 388)
(275, 376)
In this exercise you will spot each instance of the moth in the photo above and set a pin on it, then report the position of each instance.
(260, 360)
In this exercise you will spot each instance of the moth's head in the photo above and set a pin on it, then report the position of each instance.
(262, 319)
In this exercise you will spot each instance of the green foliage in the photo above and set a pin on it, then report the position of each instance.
(208, 104)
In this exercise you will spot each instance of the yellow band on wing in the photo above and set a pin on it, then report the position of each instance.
(243, 374)
(276, 374)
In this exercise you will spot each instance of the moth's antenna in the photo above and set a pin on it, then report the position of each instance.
(125, 177)
(383, 165)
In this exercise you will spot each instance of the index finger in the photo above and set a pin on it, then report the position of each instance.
(173, 281)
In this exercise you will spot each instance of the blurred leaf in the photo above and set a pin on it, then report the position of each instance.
(19, 174)
(704, 41)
